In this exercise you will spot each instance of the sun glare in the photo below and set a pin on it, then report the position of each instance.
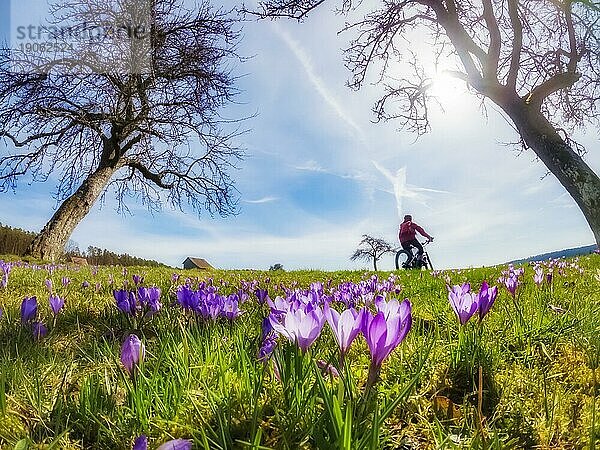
(448, 90)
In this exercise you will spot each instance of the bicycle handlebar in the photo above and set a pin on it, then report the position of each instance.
(427, 242)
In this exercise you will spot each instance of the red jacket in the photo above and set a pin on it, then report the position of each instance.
(408, 229)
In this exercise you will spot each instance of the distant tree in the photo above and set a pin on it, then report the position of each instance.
(14, 241)
(276, 267)
(144, 120)
(72, 248)
(372, 248)
(537, 60)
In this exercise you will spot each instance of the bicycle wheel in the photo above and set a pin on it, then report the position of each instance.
(427, 261)
(402, 258)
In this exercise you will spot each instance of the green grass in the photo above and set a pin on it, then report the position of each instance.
(202, 381)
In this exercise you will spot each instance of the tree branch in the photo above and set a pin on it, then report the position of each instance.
(464, 45)
(559, 81)
(290, 9)
(156, 178)
(517, 44)
(493, 54)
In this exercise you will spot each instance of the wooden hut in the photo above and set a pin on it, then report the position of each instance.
(79, 261)
(196, 263)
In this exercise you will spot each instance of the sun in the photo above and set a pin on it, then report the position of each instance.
(448, 90)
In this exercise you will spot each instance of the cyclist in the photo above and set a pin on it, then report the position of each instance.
(407, 234)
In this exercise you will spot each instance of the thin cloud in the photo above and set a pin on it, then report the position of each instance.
(322, 247)
(402, 190)
(304, 59)
(262, 200)
(311, 166)
(563, 201)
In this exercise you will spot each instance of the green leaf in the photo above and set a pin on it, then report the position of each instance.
(23, 444)
(347, 436)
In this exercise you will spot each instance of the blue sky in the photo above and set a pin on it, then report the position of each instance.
(320, 173)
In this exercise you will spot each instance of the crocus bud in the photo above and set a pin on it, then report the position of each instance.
(39, 330)
(132, 353)
(28, 309)
(56, 303)
(141, 443)
(176, 444)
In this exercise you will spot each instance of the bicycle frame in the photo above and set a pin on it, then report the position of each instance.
(414, 262)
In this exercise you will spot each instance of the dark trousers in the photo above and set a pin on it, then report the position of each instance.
(407, 245)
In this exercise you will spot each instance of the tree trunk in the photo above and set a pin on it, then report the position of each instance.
(50, 242)
(566, 165)
(375, 264)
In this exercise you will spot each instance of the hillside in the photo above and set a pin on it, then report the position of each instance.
(14, 241)
(566, 253)
(101, 356)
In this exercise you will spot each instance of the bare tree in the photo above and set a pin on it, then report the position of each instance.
(538, 60)
(373, 248)
(141, 117)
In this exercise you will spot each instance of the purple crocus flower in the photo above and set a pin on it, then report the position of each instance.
(39, 330)
(327, 368)
(176, 444)
(141, 443)
(266, 328)
(538, 277)
(4, 270)
(388, 308)
(187, 298)
(384, 335)
(261, 295)
(210, 305)
(485, 299)
(132, 353)
(511, 283)
(150, 297)
(28, 309)
(345, 326)
(56, 303)
(48, 284)
(230, 308)
(280, 305)
(123, 301)
(300, 326)
(137, 279)
(85, 284)
(463, 302)
(65, 281)
(267, 347)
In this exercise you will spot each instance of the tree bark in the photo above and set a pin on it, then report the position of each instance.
(566, 165)
(375, 263)
(50, 242)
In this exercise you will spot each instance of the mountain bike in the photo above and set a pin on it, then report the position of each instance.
(405, 259)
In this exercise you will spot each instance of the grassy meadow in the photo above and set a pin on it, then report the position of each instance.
(525, 376)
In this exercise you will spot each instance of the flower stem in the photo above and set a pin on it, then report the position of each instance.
(480, 406)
